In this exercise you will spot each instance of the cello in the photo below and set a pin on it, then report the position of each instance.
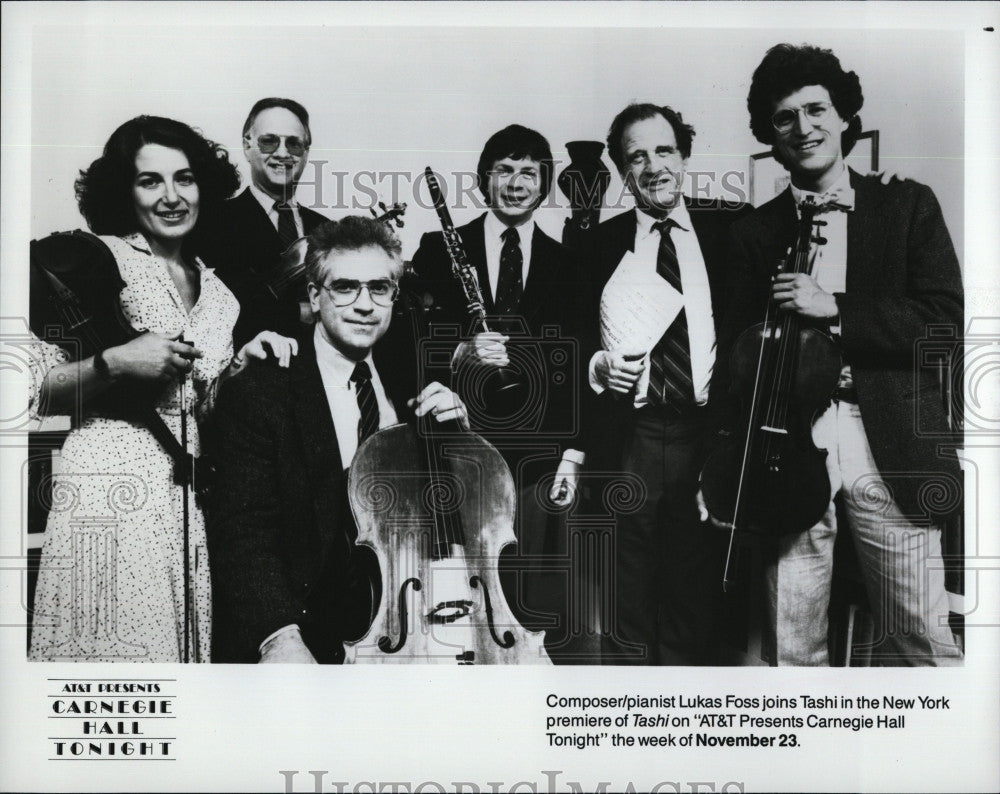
(436, 506)
(770, 478)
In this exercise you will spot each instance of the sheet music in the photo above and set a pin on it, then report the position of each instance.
(637, 306)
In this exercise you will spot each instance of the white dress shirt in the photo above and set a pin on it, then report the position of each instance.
(493, 229)
(336, 369)
(267, 202)
(696, 294)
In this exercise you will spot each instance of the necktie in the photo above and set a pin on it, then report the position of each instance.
(670, 381)
(362, 379)
(287, 233)
(510, 284)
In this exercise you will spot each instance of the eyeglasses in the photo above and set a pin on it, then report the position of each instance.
(268, 144)
(344, 292)
(784, 120)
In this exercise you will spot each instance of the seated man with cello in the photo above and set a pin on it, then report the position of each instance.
(287, 582)
(878, 269)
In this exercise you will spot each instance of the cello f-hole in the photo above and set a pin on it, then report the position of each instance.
(385, 644)
(508, 636)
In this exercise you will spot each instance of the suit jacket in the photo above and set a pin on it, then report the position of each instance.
(245, 250)
(280, 533)
(548, 338)
(902, 277)
(609, 416)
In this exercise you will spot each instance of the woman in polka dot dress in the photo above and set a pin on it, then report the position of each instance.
(111, 584)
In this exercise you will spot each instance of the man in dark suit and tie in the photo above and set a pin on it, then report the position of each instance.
(531, 292)
(663, 262)
(258, 224)
(883, 273)
(288, 585)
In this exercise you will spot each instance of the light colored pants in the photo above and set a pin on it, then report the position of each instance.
(900, 564)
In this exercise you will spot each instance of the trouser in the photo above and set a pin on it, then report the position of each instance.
(667, 571)
(900, 562)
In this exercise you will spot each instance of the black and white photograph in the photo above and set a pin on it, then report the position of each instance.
(347, 347)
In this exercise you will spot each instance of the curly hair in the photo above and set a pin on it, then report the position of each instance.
(787, 68)
(516, 142)
(350, 234)
(104, 191)
(684, 133)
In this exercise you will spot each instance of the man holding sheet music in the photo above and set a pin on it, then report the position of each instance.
(659, 274)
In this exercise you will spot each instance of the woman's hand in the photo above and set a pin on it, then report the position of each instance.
(281, 347)
(442, 403)
(152, 356)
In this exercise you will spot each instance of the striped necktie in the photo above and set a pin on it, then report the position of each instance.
(287, 233)
(670, 381)
(362, 380)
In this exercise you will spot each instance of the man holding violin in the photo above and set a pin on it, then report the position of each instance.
(257, 225)
(883, 271)
(289, 585)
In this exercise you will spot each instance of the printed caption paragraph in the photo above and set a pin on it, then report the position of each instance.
(726, 721)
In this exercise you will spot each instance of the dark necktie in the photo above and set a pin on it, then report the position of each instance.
(670, 381)
(287, 234)
(510, 284)
(362, 379)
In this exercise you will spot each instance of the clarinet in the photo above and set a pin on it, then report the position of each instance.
(460, 267)
(466, 274)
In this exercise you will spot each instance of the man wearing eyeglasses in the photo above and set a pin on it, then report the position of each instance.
(261, 222)
(884, 272)
(288, 583)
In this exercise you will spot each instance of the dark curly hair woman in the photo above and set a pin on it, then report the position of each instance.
(122, 598)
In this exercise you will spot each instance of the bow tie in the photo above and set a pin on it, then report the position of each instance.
(839, 198)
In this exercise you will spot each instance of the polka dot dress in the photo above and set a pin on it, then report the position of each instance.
(111, 583)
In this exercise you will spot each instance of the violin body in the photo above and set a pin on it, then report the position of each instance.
(770, 478)
(441, 600)
(74, 303)
(75, 287)
(777, 474)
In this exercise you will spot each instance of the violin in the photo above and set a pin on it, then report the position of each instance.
(74, 303)
(436, 506)
(769, 478)
(75, 284)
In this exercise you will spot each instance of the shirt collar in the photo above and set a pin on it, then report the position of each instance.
(266, 201)
(494, 227)
(335, 365)
(843, 181)
(138, 241)
(679, 215)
